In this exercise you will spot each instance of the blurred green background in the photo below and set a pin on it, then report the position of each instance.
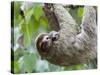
(24, 56)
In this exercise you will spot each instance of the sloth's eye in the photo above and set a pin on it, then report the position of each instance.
(47, 37)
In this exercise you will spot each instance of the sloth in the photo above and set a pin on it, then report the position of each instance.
(70, 48)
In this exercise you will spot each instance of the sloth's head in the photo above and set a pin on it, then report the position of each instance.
(45, 40)
(43, 43)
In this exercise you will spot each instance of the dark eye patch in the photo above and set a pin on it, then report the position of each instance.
(44, 46)
(47, 37)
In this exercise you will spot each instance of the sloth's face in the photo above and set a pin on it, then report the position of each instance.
(46, 42)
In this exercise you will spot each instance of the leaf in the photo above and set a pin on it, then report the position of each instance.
(42, 66)
(28, 32)
(29, 62)
(18, 53)
(26, 35)
(74, 67)
(17, 17)
(80, 12)
(44, 22)
(38, 12)
(35, 24)
(28, 27)
(15, 68)
(53, 68)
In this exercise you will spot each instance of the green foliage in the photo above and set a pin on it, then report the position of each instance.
(18, 53)
(74, 67)
(38, 12)
(17, 17)
(29, 62)
(15, 64)
(26, 61)
(80, 12)
(77, 14)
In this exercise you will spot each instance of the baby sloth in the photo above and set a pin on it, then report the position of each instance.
(45, 40)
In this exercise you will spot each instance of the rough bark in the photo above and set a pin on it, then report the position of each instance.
(71, 48)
